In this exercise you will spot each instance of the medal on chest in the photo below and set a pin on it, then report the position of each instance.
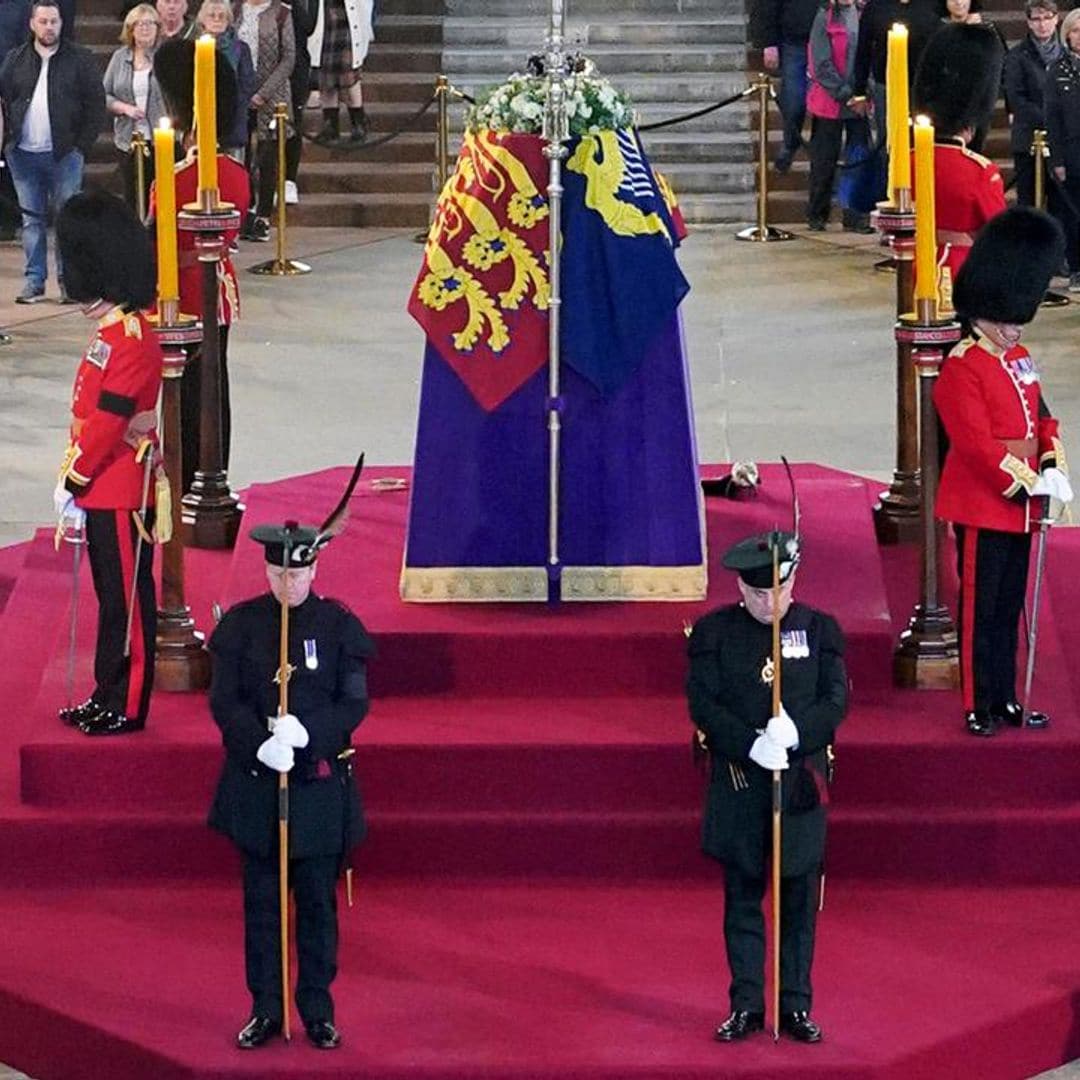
(311, 654)
(794, 645)
(1023, 370)
(98, 353)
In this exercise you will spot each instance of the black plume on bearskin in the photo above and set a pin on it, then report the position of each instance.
(105, 251)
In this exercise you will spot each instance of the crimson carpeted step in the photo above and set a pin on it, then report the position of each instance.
(12, 557)
(544, 981)
(580, 649)
(1006, 847)
(560, 754)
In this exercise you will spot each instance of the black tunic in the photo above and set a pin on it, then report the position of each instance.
(730, 696)
(328, 649)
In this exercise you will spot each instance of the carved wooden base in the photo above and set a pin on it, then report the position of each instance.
(927, 656)
(210, 512)
(897, 514)
(181, 662)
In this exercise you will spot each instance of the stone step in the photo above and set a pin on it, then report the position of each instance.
(585, 9)
(718, 208)
(406, 29)
(704, 178)
(617, 61)
(528, 34)
(339, 210)
(328, 177)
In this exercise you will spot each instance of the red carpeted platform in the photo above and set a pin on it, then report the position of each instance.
(533, 903)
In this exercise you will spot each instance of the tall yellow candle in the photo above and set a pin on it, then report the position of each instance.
(925, 218)
(206, 112)
(897, 110)
(165, 193)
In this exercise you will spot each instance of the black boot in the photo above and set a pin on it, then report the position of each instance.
(800, 1027)
(76, 715)
(329, 132)
(358, 120)
(980, 722)
(738, 1025)
(1012, 713)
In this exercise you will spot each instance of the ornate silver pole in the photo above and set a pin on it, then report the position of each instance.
(556, 134)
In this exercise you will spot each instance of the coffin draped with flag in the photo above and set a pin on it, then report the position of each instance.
(630, 512)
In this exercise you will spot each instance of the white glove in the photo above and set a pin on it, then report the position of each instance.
(1043, 486)
(288, 729)
(768, 754)
(782, 730)
(74, 517)
(1060, 487)
(276, 755)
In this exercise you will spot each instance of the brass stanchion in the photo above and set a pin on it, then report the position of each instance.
(1041, 152)
(211, 511)
(280, 266)
(181, 661)
(763, 232)
(897, 512)
(141, 151)
(443, 90)
(927, 656)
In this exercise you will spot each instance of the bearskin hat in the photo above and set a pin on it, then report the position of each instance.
(958, 77)
(1005, 276)
(105, 251)
(174, 69)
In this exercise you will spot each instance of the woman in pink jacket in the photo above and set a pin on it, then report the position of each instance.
(834, 110)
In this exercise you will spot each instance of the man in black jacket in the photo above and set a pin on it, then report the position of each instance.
(781, 29)
(54, 107)
(1026, 65)
(730, 695)
(328, 651)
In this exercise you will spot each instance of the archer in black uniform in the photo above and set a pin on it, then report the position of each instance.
(328, 697)
(730, 696)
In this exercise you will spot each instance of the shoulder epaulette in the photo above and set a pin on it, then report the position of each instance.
(982, 162)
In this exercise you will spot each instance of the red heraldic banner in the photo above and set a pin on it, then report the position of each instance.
(482, 292)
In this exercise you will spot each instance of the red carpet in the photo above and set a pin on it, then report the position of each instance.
(533, 903)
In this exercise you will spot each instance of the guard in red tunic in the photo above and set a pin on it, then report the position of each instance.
(105, 482)
(956, 85)
(174, 68)
(1004, 458)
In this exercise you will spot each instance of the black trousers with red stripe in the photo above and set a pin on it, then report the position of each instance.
(993, 569)
(122, 683)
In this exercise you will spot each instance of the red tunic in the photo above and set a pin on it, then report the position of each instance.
(113, 406)
(234, 188)
(968, 192)
(985, 397)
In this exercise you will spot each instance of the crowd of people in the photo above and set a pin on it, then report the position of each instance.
(56, 102)
(831, 62)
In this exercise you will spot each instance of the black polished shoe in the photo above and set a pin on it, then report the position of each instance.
(111, 722)
(76, 715)
(800, 1027)
(256, 1031)
(323, 1034)
(738, 1025)
(1012, 713)
(979, 722)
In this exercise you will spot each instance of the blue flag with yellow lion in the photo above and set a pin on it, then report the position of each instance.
(621, 283)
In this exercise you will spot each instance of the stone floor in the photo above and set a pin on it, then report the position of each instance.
(790, 348)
